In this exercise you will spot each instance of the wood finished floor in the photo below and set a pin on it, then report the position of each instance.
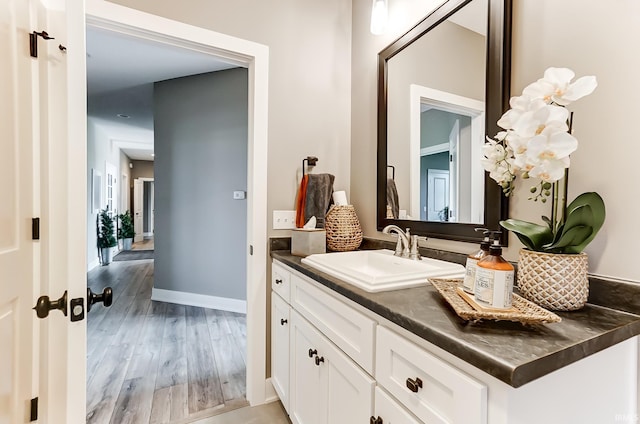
(155, 362)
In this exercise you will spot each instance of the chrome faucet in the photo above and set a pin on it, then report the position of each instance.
(402, 246)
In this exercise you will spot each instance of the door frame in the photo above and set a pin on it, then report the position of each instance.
(255, 57)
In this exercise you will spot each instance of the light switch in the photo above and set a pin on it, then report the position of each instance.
(284, 220)
(239, 195)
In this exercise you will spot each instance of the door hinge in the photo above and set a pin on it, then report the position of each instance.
(450, 158)
(251, 249)
(34, 409)
(35, 228)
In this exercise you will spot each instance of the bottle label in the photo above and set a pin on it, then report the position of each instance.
(494, 288)
(469, 283)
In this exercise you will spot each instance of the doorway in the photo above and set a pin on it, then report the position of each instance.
(254, 57)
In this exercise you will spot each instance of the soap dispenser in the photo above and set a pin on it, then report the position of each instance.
(494, 279)
(469, 283)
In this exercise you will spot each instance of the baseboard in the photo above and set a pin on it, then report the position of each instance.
(93, 264)
(270, 394)
(201, 300)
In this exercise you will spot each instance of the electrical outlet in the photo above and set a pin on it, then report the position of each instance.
(284, 220)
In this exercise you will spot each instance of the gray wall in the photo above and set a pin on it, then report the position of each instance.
(201, 158)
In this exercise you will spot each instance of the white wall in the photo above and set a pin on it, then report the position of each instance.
(593, 38)
(100, 150)
(309, 79)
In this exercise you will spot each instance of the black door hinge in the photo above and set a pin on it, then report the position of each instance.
(34, 409)
(35, 228)
(251, 249)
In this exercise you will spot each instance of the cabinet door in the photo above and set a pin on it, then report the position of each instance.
(280, 348)
(348, 390)
(305, 405)
(388, 411)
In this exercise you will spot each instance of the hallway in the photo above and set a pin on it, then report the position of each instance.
(155, 362)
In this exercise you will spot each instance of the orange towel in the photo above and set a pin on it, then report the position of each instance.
(300, 201)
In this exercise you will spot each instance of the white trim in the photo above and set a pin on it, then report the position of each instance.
(255, 57)
(432, 150)
(270, 392)
(200, 300)
(93, 264)
(442, 100)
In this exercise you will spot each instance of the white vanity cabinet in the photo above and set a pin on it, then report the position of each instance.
(280, 324)
(327, 386)
(336, 362)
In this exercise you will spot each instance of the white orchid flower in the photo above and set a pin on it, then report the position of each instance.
(549, 118)
(551, 146)
(550, 170)
(519, 106)
(556, 86)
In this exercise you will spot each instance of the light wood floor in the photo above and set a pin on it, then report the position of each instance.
(146, 244)
(154, 362)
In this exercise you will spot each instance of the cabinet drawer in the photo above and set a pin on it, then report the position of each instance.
(446, 396)
(280, 280)
(388, 411)
(350, 330)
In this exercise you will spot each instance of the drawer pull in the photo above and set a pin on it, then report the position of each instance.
(278, 281)
(374, 420)
(312, 352)
(319, 359)
(414, 385)
(283, 321)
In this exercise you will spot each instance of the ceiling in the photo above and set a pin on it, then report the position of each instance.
(121, 70)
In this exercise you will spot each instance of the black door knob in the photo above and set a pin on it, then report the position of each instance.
(312, 352)
(374, 420)
(106, 297)
(319, 359)
(283, 321)
(44, 305)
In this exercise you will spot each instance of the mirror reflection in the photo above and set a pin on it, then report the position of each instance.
(435, 122)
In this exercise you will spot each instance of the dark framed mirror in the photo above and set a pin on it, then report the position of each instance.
(442, 87)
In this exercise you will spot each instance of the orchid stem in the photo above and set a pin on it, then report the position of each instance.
(565, 191)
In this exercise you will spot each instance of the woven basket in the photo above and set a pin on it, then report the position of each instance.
(554, 281)
(343, 229)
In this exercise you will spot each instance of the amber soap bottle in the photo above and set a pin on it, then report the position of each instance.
(494, 279)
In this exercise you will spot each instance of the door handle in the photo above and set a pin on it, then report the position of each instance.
(106, 297)
(44, 305)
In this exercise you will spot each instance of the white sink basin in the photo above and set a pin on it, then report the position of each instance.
(380, 270)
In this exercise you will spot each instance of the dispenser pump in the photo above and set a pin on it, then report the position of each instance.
(495, 248)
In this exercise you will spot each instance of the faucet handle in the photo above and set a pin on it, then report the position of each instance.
(414, 253)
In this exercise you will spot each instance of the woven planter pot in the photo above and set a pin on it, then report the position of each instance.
(554, 281)
(343, 229)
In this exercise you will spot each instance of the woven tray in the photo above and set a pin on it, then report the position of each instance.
(523, 311)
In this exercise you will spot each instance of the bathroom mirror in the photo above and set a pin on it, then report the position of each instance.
(441, 88)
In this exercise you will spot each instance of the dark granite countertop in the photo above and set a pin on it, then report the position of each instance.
(511, 352)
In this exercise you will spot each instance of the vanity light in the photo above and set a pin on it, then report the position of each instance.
(379, 17)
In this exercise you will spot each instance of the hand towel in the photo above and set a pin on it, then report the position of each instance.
(318, 197)
(300, 201)
(392, 198)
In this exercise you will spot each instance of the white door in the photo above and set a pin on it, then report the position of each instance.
(454, 169)
(43, 171)
(17, 279)
(138, 209)
(437, 194)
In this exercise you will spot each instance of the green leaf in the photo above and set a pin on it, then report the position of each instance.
(596, 205)
(570, 238)
(533, 236)
(548, 221)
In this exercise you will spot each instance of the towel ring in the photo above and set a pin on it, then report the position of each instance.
(311, 161)
(393, 171)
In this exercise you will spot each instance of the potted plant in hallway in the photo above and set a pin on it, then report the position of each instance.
(126, 231)
(106, 238)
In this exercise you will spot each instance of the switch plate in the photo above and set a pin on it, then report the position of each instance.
(284, 220)
(239, 195)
